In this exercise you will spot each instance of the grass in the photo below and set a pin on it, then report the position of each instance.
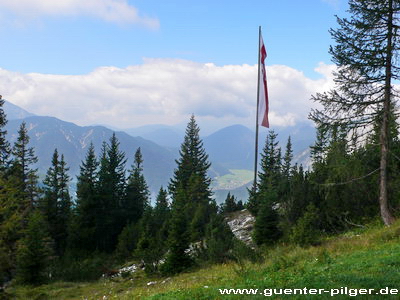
(365, 258)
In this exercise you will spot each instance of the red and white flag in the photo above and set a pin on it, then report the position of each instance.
(262, 88)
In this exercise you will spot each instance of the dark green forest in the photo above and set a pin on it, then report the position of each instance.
(48, 235)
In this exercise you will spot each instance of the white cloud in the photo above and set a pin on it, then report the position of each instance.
(116, 11)
(165, 91)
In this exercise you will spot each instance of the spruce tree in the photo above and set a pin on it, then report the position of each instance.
(5, 148)
(367, 45)
(137, 192)
(177, 259)
(287, 159)
(64, 206)
(110, 191)
(34, 252)
(162, 214)
(192, 206)
(318, 150)
(230, 204)
(56, 202)
(219, 240)
(82, 233)
(21, 168)
(266, 229)
(297, 197)
(193, 161)
(191, 176)
(270, 176)
(306, 231)
(12, 223)
(161, 208)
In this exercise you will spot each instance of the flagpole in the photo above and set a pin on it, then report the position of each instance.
(258, 100)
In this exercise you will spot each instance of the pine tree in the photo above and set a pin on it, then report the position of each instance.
(127, 241)
(12, 223)
(287, 159)
(137, 191)
(230, 204)
(191, 176)
(153, 231)
(270, 175)
(34, 252)
(318, 150)
(64, 206)
(161, 208)
(162, 214)
(306, 231)
(193, 161)
(21, 168)
(192, 206)
(5, 148)
(177, 259)
(219, 240)
(266, 229)
(56, 202)
(297, 198)
(110, 191)
(366, 47)
(82, 233)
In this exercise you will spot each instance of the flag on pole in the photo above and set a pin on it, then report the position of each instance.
(262, 87)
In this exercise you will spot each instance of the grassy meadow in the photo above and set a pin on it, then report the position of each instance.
(365, 258)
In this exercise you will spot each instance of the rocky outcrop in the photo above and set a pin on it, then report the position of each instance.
(242, 223)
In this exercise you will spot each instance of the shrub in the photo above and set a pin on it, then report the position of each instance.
(306, 231)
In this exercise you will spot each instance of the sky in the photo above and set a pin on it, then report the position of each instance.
(126, 63)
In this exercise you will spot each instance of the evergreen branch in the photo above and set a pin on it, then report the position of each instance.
(349, 181)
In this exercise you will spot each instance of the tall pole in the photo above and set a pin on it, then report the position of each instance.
(258, 101)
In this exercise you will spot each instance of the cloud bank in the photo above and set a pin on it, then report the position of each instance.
(166, 91)
(116, 11)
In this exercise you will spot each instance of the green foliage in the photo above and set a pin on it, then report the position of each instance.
(78, 269)
(177, 258)
(127, 241)
(110, 191)
(12, 215)
(5, 148)
(231, 205)
(219, 240)
(306, 231)
(353, 259)
(56, 203)
(269, 176)
(21, 167)
(266, 226)
(82, 233)
(161, 210)
(192, 165)
(192, 206)
(153, 230)
(137, 192)
(148, 249)
(34, 252)
(367, 43)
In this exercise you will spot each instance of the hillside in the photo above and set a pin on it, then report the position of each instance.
(365, 258)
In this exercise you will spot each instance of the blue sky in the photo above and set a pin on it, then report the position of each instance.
(99, 51)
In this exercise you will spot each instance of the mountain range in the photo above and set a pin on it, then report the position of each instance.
(228, 148)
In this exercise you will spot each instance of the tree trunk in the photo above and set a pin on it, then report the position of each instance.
(386, 215)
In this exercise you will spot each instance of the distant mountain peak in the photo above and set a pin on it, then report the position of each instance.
(15, 112)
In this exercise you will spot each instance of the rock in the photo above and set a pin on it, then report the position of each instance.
(242, 223)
